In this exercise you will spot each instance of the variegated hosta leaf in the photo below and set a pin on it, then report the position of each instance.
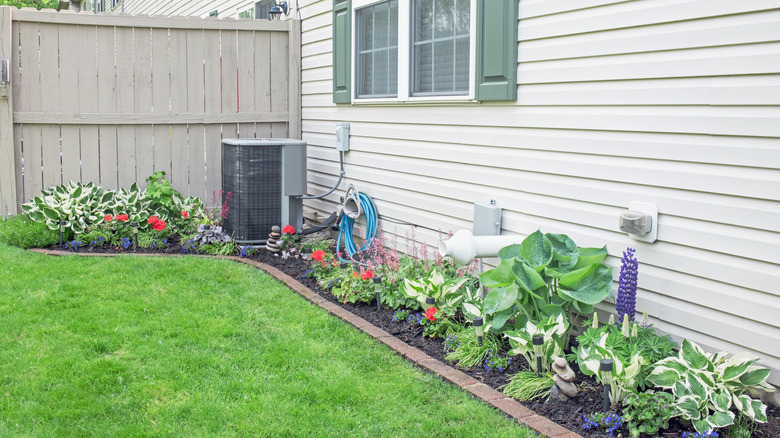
(720, 419)
(663, 377)
(697, 387)
(754, 377)
(721, 401)
(693, 355)
(689, 406)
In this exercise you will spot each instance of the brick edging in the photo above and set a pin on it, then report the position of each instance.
(507, 405)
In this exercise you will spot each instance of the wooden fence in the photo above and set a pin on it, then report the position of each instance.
(112, 99)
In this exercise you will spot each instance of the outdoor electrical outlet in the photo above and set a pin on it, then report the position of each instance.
(342, 137)
(640, 221)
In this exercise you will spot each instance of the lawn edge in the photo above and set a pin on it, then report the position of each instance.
(508, 406)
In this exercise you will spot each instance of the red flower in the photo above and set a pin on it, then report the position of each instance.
(122, 217)
(185, 214)
(159, 225)
(152, 220)
(109, 218)
(318, 255)
(354, 274)
(430, 312)
(288, 229)
(366, 275)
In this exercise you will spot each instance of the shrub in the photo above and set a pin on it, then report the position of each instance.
(22, 232)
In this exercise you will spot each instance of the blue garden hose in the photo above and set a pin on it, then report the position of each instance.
(369, 210)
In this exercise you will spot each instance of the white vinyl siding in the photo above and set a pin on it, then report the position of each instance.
(193, 8)
(668, 102)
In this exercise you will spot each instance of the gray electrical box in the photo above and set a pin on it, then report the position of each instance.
(342, 137)
(487, 219)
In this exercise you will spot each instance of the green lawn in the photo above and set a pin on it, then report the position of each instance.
(130, 346)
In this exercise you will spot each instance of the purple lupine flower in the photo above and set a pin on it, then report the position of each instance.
(626, 298)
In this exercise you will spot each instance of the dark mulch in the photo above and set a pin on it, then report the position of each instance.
(568, 414)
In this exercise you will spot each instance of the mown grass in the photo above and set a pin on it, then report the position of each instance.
(126, 346)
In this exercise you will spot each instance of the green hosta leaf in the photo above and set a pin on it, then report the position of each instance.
(701, 426)
(754, 377)
(697, 387)
(52, 225)
(565, 251)
(734, 371)
(510, 252)
(536, 250)
(680, 389)
(27, 208)
(759, 411)
(590, 288)
(589, 256)
(556, 272)
(693, 355)
(36, 216)
(50, 213)
(107, 197)
(500, 318)
(721, 401)
(527, 277)
(503, 272)
(720, 419)
(689, 407)
(500, 298)
(663, 377)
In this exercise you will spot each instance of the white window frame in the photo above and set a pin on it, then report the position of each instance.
(404, 57)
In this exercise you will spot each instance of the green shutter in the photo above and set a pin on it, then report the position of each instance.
(342, 45)
(496, 50)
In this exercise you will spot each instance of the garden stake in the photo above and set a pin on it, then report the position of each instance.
(538, 341)
(605, 368)
(135, 233)
(478, 321)
(377, 281)
(62, 231)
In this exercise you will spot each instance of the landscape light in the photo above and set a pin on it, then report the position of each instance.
(135, 233)
(62, 231)
(538, 341)
(478, 323)
(378, 286)
(605, 370)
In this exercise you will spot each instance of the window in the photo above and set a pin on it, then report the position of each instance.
(441, 47)
(409, 50)
(97, 6)
(377, 50)
(261, 9)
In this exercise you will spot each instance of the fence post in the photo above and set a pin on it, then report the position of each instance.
(7, 160)
(294, 83)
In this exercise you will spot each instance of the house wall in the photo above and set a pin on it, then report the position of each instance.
(668, 102)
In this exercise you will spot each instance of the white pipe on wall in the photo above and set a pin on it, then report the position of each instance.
(464, 247)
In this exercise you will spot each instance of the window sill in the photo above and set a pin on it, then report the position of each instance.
(432, 100)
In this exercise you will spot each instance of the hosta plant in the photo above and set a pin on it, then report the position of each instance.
(708, 388)
(547, 273)
(553, 328)
(78, 205)
(495, 309)
(625, 370)
(446, 292)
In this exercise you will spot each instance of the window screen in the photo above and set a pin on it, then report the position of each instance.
(440, 47)
(377, 50)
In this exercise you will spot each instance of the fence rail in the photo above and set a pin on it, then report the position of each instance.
(112, 99)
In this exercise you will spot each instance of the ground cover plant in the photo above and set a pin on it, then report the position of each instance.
(131, 346)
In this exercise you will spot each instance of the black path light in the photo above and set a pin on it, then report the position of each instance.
(378, 287)
(62, 231)
(478, 323)
(605, 369)
(430, 301)
(538, 341)
(135, 234)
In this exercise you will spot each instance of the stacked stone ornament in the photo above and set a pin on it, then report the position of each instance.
(563, 378)
(272, 244)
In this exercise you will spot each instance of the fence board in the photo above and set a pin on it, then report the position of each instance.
(8, 199)
(68, 93)
(135, 95)
(125, 100)
(144, 133)
(213, 105)
(179, 152)
(88, 102)
(107, 85)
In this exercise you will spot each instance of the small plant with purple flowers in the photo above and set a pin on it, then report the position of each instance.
(610, 423)
(710, 434)
(74, 245)
(626, 296)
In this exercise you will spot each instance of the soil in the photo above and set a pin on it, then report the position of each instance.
(568, 414)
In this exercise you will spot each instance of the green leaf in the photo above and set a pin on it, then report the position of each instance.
(76, 193)
(663, 377)
(527, 277)
(734, 371)
(754, 377)
(500, 318)
(565, 251)
(500, 298)
(693, 355)
(689, 406)
(697, 386)
(721, 401)
(536, 250)
(36, 216)
(50, 213)
(590, 288)
(759, 410)
(510, 252)
(720, 419)
(589, 256)
(701, 426)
